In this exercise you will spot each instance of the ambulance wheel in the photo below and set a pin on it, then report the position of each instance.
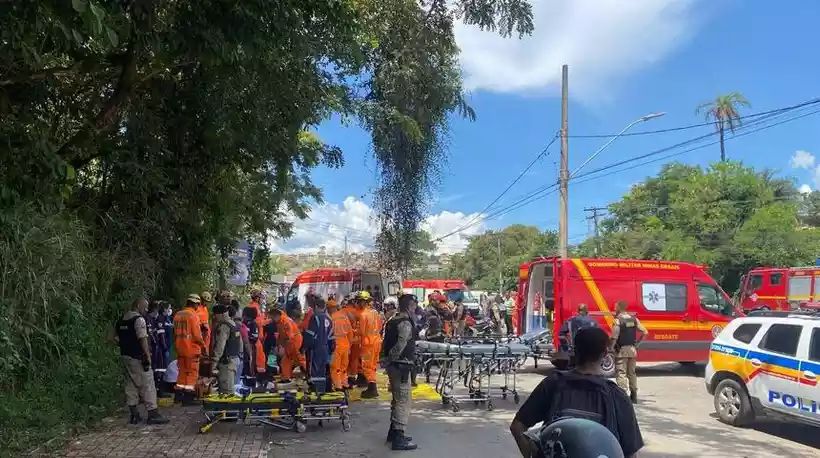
(732, 403)
(299, 426)
(608, 365)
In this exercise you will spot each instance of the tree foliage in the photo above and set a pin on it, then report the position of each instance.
(168, 130)
(728, 216)
(503, 251)
(724, 111)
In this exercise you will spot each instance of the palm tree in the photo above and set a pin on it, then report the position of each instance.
(724, 111)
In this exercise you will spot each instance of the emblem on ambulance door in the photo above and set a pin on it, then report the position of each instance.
(753, 297)
(716, 330)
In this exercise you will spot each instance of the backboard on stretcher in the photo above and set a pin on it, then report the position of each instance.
(286, 410)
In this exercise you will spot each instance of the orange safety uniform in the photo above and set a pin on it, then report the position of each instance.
(189, 346)
(261, 359)
(204, 325)
(370, 335)
(355, 360)
(343, 331)
(290, 340)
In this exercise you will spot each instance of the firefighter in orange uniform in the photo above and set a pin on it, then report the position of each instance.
(354, 376)
(289, 345)
(205, 319)
(189, 347)
(261, 359)
(341, 355)
(370, 337)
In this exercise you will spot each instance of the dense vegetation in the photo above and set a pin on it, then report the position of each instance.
(142, 139)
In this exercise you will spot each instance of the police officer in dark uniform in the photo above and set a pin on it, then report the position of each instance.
(625, 340)
(227, 348)
(399, 349)
(135, 351)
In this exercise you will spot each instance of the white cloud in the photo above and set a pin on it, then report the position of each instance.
(802, 160)
(603, 41)
(446, 222)
(804, 189)
(329, 223)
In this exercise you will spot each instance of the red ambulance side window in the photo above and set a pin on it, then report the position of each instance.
(755, 282)
(775, 279)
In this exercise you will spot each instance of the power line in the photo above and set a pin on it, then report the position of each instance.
(662, 150)
(520, 175)
(693, 126)
(549, 189)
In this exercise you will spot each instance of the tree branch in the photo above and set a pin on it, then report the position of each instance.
(71, 151)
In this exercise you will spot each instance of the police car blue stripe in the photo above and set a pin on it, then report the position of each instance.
(768, 358)
(810, 366)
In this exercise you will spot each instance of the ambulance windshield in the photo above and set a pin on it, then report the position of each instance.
(713, 299)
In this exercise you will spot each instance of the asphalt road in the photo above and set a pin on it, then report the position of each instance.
(675, 414)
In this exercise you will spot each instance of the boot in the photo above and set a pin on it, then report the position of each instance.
(134, 418)
(351, 382)
(361, 382)
(189, 399)
(154, 418)
(392, 433)
(177, 397)
(371, 392)
(402, 442)
(633, 396)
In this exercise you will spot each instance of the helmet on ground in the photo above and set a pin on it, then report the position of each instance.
(363, 296)
(571, 437)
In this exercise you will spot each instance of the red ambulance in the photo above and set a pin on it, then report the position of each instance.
(339, 282)
(780, 288)
(682, 307)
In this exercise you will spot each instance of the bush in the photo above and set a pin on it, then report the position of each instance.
(59, 298)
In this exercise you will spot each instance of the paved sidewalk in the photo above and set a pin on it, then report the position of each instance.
(180, 437)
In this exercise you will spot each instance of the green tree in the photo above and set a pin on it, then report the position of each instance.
(725, 112)
(729, 217)
(482, 261)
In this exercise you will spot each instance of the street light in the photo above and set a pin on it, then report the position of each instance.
(609, 142)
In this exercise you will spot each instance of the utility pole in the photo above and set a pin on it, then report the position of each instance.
(500, 268)
(563, 179)
(345, 255)
(594, 218)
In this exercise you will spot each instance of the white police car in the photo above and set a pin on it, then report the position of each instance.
(767, 363)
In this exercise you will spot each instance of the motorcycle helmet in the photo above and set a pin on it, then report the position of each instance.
(574, 437)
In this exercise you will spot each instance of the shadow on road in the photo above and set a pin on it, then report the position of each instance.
(671, 370)
(717, 437)
(790, 431)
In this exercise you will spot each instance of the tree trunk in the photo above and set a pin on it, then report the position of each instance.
(722, 147)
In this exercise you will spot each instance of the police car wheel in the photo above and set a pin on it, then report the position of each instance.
(732, 403)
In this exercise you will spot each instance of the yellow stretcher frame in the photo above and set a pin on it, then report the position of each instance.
(285, 410)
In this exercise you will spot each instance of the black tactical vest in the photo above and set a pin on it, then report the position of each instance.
(127, 333)
(233, 346)
(628, 334)
(391, 336)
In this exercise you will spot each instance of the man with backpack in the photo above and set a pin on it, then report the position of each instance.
(581, 393)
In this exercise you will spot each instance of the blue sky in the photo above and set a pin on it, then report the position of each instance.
(626, 59)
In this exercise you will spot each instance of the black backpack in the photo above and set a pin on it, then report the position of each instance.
(584, 396)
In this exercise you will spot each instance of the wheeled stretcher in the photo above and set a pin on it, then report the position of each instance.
(540, 343)
(473, 364)
(285, 410)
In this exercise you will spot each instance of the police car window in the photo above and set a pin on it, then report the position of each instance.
(782, 338)
(755, 281)
(664, 297)
(746, 332)
(814, 347)
(775, 279)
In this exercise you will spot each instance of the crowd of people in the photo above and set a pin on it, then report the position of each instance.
(336, 344)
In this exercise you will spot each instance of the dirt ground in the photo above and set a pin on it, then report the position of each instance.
(675, 414)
